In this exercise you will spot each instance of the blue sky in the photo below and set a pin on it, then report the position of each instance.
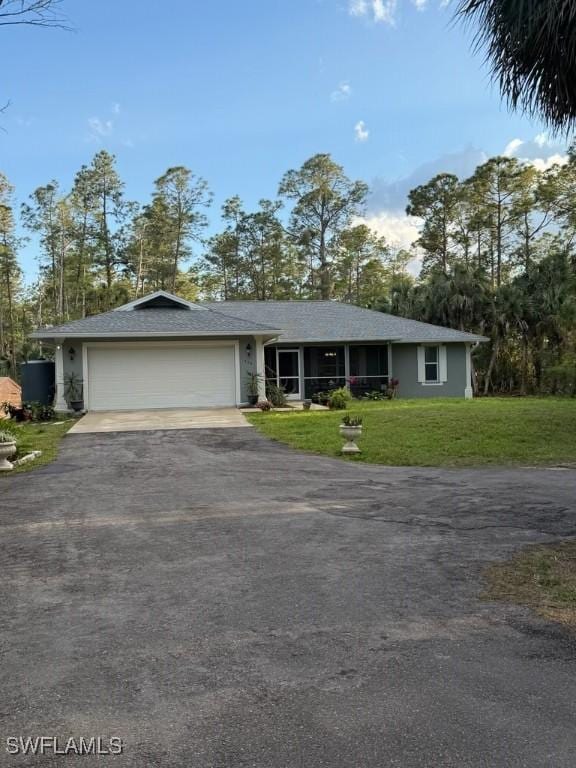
(241, 92)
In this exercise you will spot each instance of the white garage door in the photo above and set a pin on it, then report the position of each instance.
(127, 378)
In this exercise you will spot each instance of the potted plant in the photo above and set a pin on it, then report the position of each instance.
(253, 387)
(351, 429)
(7, 449)
(73, 391)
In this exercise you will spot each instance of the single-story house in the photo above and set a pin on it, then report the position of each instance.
(161, 351)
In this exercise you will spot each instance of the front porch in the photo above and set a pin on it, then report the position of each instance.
(304, 370)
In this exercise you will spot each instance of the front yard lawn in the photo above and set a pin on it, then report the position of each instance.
(541, 577)
(456, 433)
(38, 436)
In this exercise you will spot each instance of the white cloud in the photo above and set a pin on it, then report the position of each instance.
(116, 108)
(361, 133)
(99, 129)
(541, 140)
(420, 5)
(388, 194)
(384, 10)
(540, 152)
(378, 10)
(342, 93)
(358, 8)
(543, 164)
(400, 230)
(512, 146)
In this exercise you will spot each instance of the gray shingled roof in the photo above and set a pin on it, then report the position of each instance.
(309, 321)
(158, 322)
(293, 321)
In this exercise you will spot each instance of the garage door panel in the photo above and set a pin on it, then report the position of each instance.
(160, 377)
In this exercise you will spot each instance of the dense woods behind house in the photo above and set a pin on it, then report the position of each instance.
(497, 254)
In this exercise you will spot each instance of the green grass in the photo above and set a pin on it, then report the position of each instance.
(541, 577)
(456, 433)
(38, 436)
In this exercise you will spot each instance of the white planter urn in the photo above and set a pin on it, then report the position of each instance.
(6, 450)
(350, 434)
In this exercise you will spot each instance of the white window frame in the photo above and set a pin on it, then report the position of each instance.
(429, 363)
(442, 368)
(280, 350)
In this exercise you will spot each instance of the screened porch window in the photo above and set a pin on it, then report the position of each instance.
(282, 367)
(270, 363)
(324, 369)
(368, 368)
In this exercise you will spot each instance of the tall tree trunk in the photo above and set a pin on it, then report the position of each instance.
(177, 247)
(493, 356)
(139, 272)
(526, 242)
(325, 282)
(80, 266)
(12, 337)
(524, 366)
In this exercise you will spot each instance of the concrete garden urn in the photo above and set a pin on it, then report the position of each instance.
(6, 450)
(350, 434)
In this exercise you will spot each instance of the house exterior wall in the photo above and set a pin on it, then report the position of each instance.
(247, 364)
(404, 359)
(405, 369)
(72, 366)
(247, 357)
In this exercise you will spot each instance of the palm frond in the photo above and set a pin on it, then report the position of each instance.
(531, 50)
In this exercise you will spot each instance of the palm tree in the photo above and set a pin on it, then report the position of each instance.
(508, 313)
(531, 47)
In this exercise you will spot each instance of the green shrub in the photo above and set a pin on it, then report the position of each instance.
(349, 420)
(374, 395)
(7, 435)
(339, 399)
(275, 394)
(561, 379)
(41, 412)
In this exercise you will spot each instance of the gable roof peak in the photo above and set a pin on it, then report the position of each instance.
(153, 298)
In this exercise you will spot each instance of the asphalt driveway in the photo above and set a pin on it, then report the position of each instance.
(217, 600)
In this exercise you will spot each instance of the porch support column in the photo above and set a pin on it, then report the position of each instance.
(60, 403)
(301, 382)
(468, 391)
(347, 365)
(260, 368)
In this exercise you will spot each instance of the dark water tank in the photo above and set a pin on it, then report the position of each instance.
(38, 380)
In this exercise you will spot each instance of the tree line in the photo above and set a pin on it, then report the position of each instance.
(496, 250)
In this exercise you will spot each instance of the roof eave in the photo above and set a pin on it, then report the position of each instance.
(470, 339)
(349, 340)
(61, 335)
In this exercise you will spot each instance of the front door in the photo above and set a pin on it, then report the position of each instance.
(288, 367)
